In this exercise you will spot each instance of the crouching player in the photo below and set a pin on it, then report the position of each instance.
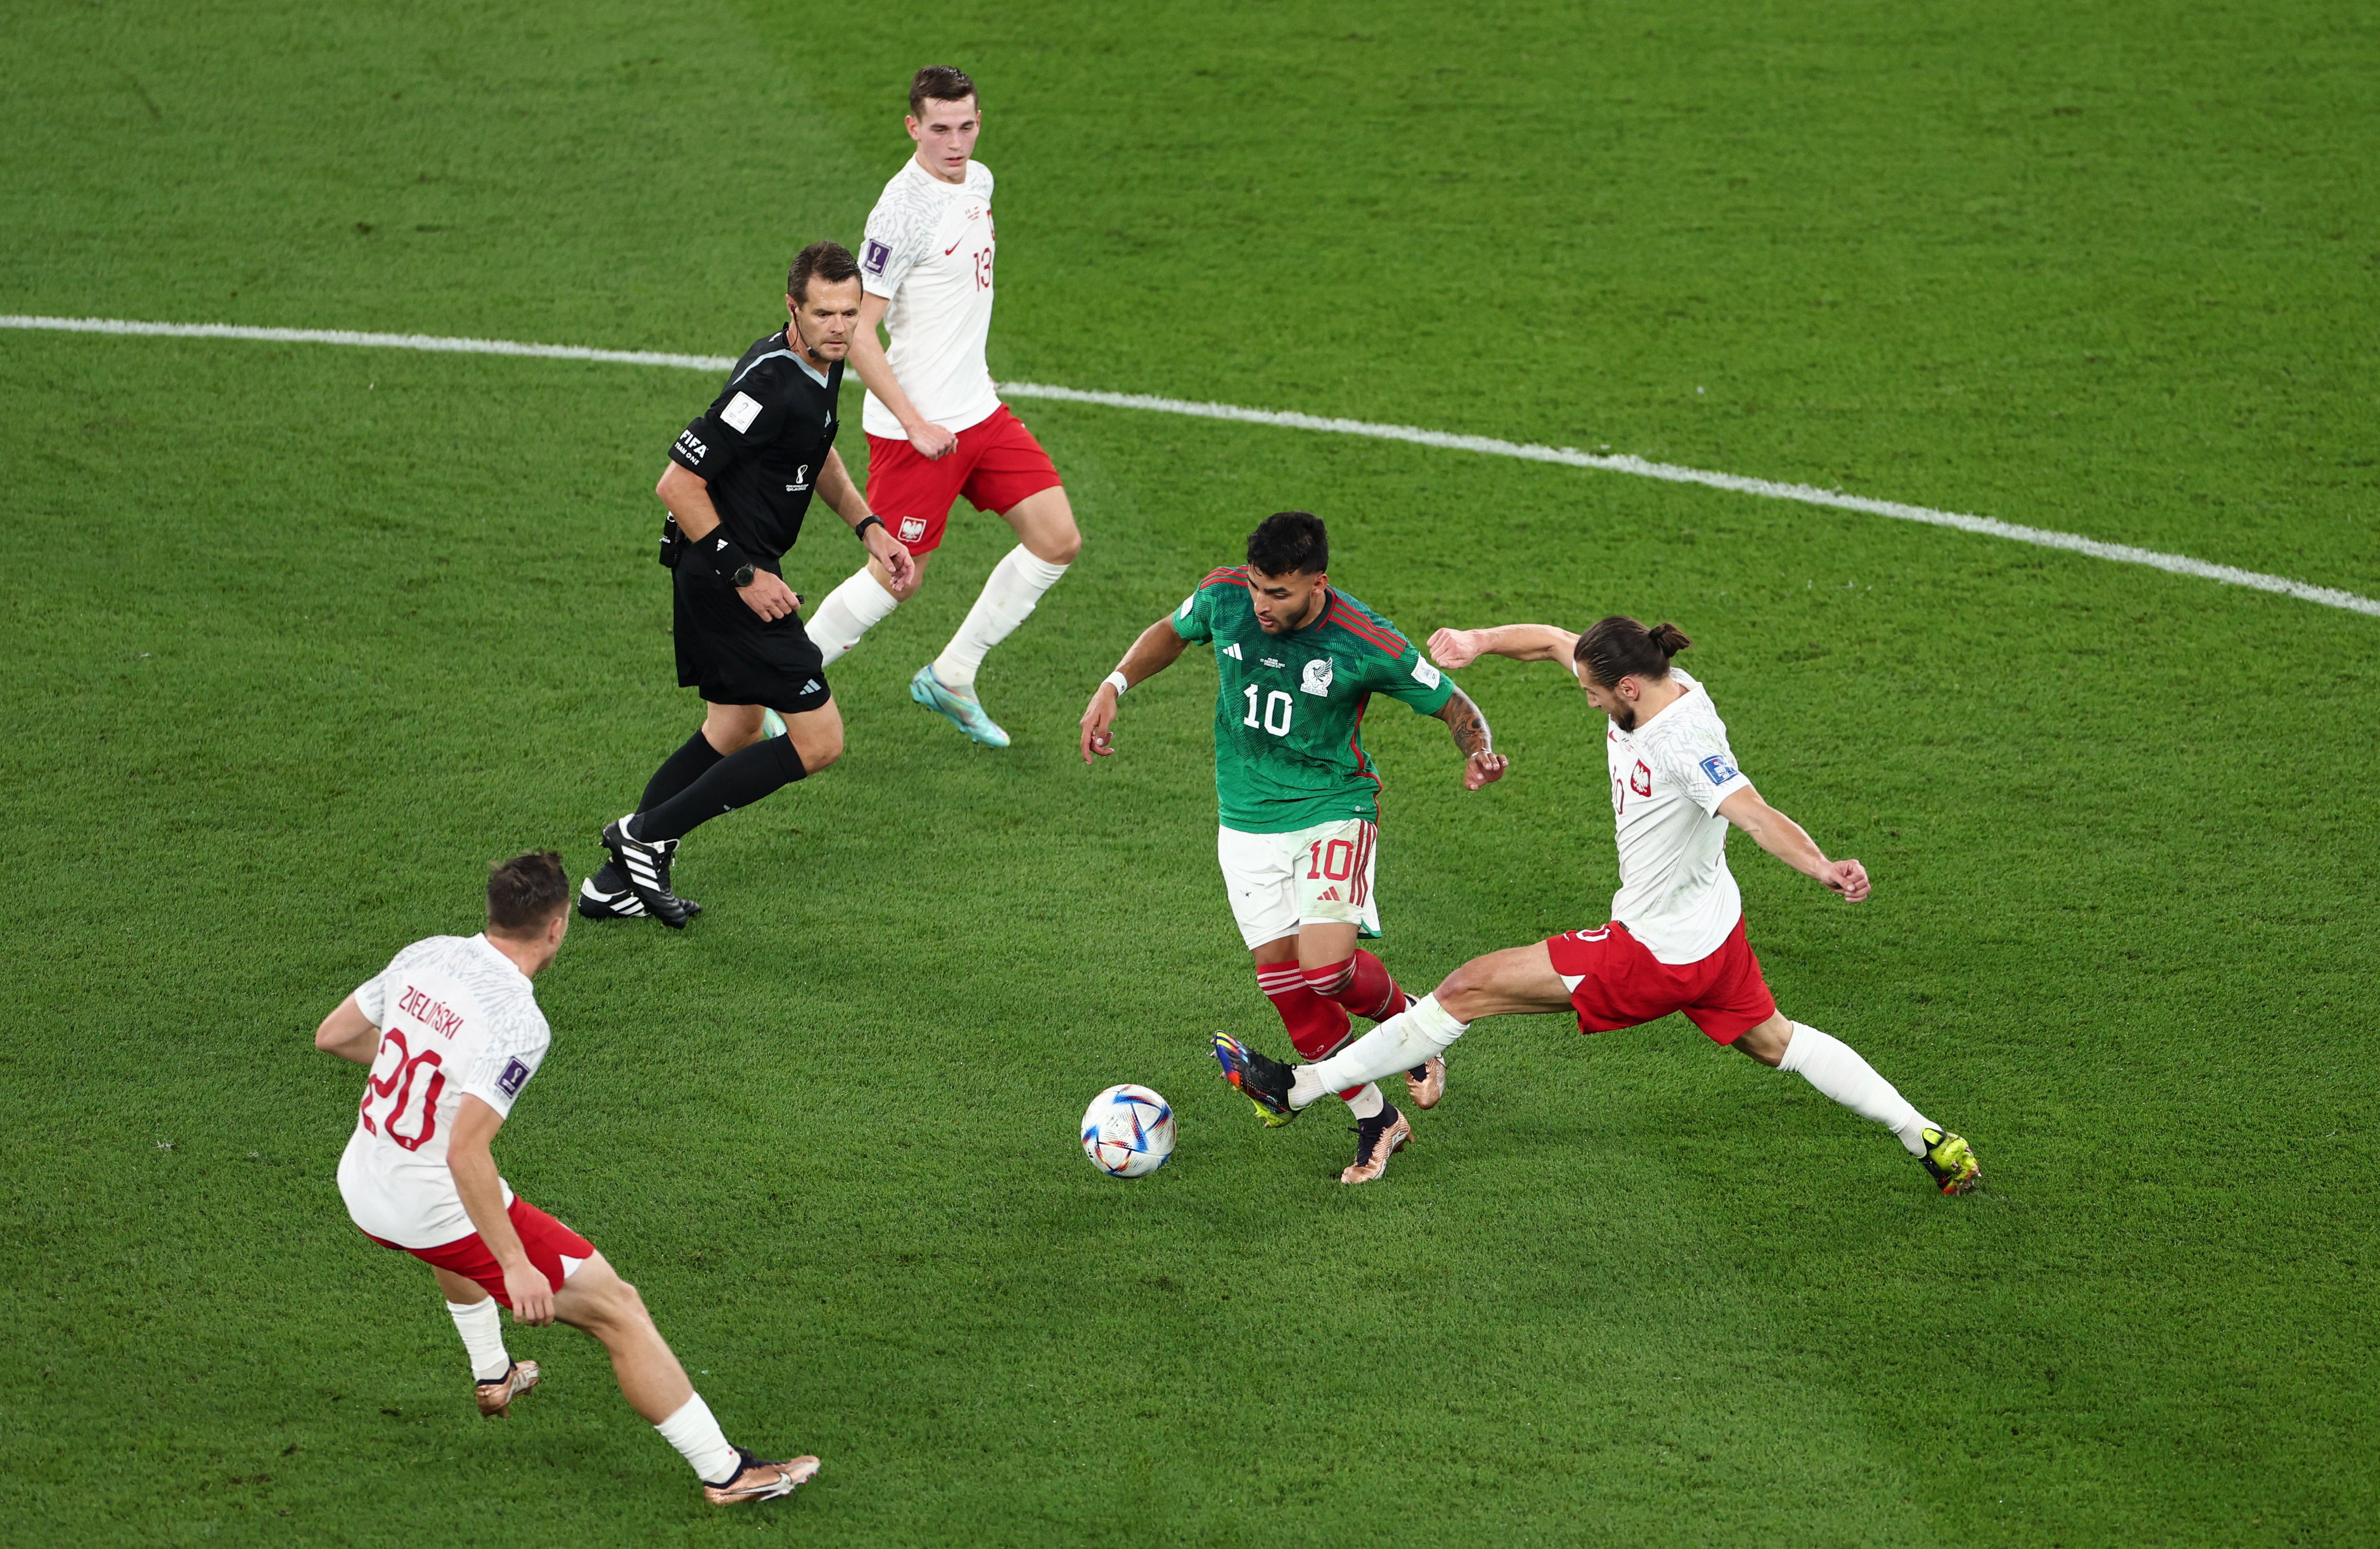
(1675, 941)
(1296, 665)
(451, 1031)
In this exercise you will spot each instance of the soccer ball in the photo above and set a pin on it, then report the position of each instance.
(1127, 1130)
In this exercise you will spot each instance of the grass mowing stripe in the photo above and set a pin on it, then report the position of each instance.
(1808, 495)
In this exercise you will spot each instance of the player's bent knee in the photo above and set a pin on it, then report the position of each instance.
(820, 750)
(1063, 548)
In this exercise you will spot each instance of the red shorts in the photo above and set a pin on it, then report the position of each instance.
(1622, 984)
(554, 1248)
(995, 465)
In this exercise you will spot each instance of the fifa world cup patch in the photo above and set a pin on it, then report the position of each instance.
(874, 255)
(515, 1076)
(1718, 770)
(1424, 674)
(741, 410)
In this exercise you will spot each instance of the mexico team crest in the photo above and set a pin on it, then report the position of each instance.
(1318, 677)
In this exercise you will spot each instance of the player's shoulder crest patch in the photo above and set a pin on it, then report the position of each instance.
(1718, 770)
(1425, 674)
(873, 256)
(1187, 603)
(515, 1076)
(1318, 677)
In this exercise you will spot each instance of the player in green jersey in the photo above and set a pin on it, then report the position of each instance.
(1296, 665)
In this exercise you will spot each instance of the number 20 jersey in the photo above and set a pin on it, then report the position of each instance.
(1289, 709)
(456, 1016)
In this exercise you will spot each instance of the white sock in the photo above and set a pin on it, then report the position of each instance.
(699, 1440)
(1835, 1068)
(1009, 595)
(850, 611)
(1402, 1041)
(482, 1329)
(1367, 1103)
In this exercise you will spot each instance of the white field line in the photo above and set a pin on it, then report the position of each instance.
(1808, 495)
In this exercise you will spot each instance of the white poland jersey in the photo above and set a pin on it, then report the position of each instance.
(1667, 778)
(929, 248)
(456, 1016)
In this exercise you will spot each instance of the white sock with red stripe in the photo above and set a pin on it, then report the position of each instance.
(850, 611)
(1408, 1039)
(1835, 1068)
(700, 1442)
(482, 1329)
(1010, 594)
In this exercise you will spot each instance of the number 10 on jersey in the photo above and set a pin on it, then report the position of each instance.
(1278, 707)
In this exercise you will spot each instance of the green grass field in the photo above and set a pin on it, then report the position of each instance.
(305, 636)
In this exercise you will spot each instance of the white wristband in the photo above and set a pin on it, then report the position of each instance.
(1116, 680)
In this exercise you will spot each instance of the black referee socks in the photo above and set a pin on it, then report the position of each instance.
(680, 770)
(737, 780)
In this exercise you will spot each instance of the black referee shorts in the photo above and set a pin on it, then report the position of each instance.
(733, 657)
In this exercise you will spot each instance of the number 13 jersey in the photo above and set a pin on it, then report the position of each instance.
(1289, 709)
(929, 251)
(456, 1016)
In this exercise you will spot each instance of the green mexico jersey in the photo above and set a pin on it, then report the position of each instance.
(1289, 709)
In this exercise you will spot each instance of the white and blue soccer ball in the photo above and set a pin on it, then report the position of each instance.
(1127, 1131)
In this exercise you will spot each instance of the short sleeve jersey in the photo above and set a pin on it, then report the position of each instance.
(1289, 709)
(929, 251)
(1667, 778)
(456, 1016)
(760, 445)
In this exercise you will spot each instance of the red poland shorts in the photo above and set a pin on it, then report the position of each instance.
(554, 1248)
(1619, 984)
(996, 465)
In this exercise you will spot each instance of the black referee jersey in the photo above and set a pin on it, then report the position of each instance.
(760, 445)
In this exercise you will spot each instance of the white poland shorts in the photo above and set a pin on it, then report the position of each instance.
(1277, 882)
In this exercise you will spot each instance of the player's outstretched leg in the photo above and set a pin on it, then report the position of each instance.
(596, 1299)
(1518, 980)
(1835, 1068)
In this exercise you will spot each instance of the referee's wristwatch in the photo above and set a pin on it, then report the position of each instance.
(742, 576)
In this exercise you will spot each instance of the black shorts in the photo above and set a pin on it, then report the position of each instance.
(733, 657)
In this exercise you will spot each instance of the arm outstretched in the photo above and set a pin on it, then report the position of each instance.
(1456, 648)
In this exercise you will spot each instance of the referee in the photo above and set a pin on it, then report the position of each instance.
(739, 483)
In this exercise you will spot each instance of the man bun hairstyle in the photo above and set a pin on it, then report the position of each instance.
(1619, 647)
(526, 892)
(939, 83)
(831, 262)
(1289, 541)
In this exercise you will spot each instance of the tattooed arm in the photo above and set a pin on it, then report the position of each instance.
(1482, 764)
